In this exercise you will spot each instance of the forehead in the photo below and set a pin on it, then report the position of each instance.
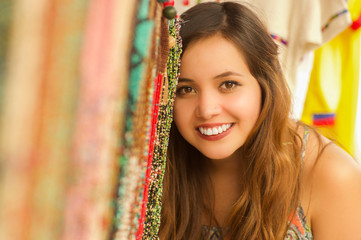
(212, 55)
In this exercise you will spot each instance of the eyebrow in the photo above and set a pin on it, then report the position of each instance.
(184, 80)
(228, 73)
(222, 75)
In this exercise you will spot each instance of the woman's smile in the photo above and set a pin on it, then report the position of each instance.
(213, 132)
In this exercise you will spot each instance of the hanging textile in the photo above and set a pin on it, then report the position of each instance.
(148, 116)
(6, 10)
(86, 94)
(56, 115)
(332, 95)
(146, 124)
(132, 159)
(99, 118)
(37, 117)
(152, 220)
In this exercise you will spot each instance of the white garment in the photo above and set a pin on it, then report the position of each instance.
(302, 24)
(305, 25)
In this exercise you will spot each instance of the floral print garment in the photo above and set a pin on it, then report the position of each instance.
(298, 230)
(213, 233)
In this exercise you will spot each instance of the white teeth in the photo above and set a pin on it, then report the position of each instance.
(215, 130)
(209, 132)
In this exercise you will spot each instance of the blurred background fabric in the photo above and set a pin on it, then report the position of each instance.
(39, 85)
(79, 117)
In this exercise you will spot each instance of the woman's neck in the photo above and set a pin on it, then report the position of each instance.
(225, 175)
(231, 166)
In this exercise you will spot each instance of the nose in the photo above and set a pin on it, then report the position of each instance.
(208, 106)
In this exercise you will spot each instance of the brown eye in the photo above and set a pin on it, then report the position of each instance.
(187, 89)
(184, 90)
(229, 85)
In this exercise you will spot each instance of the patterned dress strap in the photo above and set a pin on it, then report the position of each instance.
(299, 228)
(304, 143)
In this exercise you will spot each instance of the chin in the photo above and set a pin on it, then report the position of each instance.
(217, 156)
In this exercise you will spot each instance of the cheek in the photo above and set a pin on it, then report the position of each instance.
(180, 114)
(246, 106)
(176, 114)
(184, 117)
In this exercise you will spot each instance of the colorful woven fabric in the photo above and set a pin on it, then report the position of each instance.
(6, 10)
(162, 51)
(154, 117)
(56, 114)
(89, 203)
(21, 124)
(137, 131)
(165, 117)
(40, 90)
(81, 86)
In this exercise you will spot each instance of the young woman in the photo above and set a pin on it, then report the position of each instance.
(238, 167)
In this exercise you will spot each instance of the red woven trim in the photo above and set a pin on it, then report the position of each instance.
(154, 118)
(356, 24)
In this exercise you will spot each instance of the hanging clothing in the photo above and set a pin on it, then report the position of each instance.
(299, 27)
(332, 95)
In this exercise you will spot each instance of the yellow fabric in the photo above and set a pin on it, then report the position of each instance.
(334, 82)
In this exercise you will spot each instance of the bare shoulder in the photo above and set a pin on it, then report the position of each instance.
(333, 179)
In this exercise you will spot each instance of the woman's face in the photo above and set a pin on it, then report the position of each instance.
(218, 101)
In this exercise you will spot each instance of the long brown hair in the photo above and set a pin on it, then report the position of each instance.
(272, 150)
